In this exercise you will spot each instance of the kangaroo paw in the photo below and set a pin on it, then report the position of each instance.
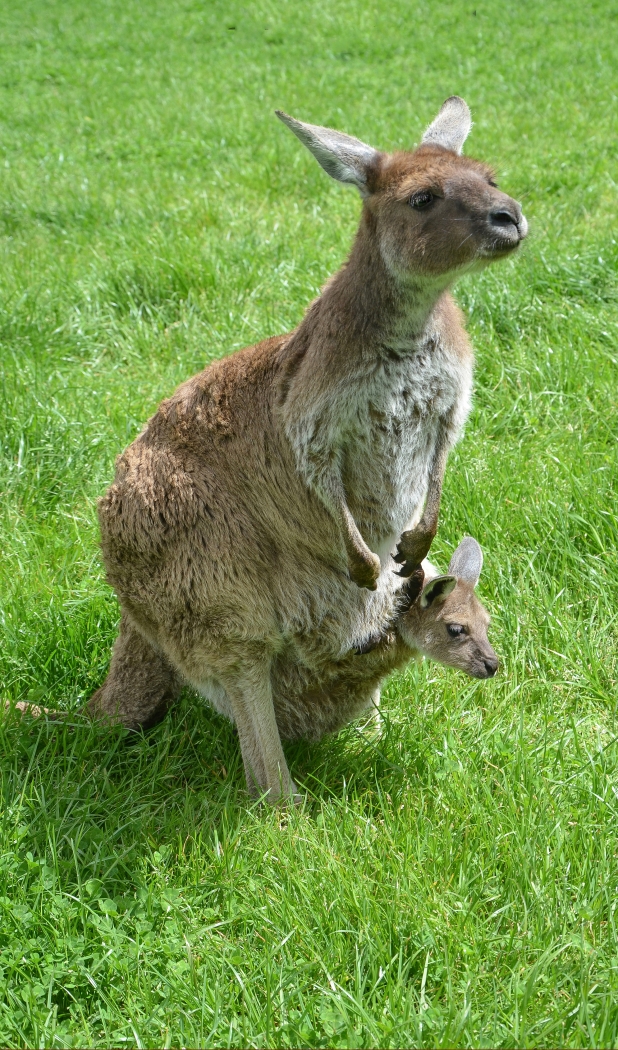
(364, 570)
(411, 588)
(412, 548)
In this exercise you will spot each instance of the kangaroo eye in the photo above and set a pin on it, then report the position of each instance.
(455, 630)
(421, 200)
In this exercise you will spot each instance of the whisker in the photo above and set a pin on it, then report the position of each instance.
(464, 240)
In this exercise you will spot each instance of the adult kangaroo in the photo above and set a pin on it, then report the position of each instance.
(260, 509)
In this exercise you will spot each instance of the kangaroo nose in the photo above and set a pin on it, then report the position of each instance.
(504, 217)
(491, 665)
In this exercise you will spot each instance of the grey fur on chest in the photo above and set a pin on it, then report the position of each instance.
(393, 427)
(412, 390)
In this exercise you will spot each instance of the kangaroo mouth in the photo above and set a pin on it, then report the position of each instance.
(504, 237)
(500, 248)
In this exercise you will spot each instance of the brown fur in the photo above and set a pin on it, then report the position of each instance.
(241, 528)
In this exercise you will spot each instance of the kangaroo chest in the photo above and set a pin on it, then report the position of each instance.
(393, 427)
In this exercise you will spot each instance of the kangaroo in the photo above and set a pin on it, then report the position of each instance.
(438, 617)
(259, 510)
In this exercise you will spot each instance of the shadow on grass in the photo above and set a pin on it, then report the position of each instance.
(104, 792)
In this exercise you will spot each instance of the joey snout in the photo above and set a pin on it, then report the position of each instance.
(485, 663)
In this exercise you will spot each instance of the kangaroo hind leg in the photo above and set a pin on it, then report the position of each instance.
(248, 687)
(141, 683)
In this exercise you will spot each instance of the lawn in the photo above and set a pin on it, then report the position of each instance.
(455, 881)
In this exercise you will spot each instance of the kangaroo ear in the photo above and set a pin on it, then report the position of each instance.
(343, 157)
(452, 125)
(437, 590)
(467, 561)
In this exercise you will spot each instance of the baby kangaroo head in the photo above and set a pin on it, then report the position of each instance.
(447, 622)
(432, 211)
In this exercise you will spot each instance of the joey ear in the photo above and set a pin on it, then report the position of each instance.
(437, 590)
(467, 561)
(452, 125)
(343, 157)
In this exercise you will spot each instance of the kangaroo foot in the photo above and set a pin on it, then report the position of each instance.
(34, 710)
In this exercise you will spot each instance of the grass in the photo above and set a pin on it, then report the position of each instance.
(453, 882)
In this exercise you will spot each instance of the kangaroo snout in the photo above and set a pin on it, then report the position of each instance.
(485, 665)
(491, 666)
(507, 222)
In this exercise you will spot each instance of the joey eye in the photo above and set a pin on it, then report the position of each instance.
(421, 200)
(492, 182)
(455, 630)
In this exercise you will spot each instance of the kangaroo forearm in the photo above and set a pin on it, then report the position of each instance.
(415, 543)
(431, 513)
(363, 564)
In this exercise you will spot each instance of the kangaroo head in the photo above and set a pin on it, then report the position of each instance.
(432, 211)
(447, 622)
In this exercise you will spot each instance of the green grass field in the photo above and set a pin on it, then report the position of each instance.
(454, 882)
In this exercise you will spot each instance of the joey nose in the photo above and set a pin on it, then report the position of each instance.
(491, 665)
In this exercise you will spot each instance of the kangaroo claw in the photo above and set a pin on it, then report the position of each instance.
(413, 586)
(406, 570)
